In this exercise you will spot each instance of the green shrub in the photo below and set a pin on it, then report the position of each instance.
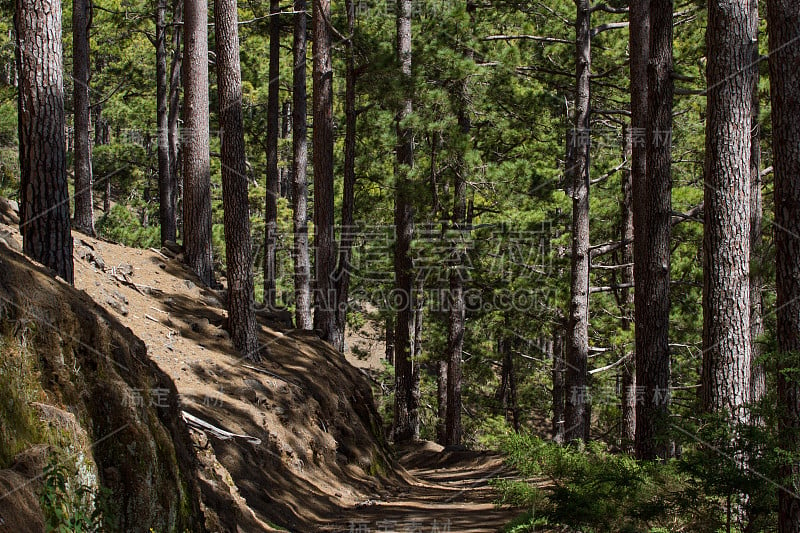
(70, 506)
(587, 489)
(119, 225)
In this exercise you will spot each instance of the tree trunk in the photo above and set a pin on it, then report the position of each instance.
(166, 189)
(302, 264)
(783, 17)
(324, 244)
(84, 207)
(44, 201)
(559, 369)
(578, 322)
(726, 229)
(286, 130)
(507, 394)
(196, 169)
(628, 410)
(406, 421)
(348, 195)
(441, 400)
(758, 375)
(273, 178)
(175, 110)
(456, 307)
(652, 217)
(238, 254)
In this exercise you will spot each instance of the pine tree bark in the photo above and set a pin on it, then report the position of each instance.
(783, 21)
(166, 184)
(81, 74)
(348, 195)
(758, 374)
(44, 201)
(726, 235)
(652, 217)
(406, 417)
(324, 244)
(174, 112)
(559, 369)
(273, 177)
(628, 411)
(456, 307)
(302, 264)
(196, 157)
(238, 253)
(578, 313)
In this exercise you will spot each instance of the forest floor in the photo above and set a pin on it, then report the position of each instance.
(449, 492)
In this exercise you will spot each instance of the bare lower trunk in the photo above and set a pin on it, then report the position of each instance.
(406, 421)
(324, 243)
(44, 202)
(81, 73)
(348, 195)
(784, 77)
(166, 184)
(578, 312)
(273, 178)
(196, 163)
(302, 264)
(238, 253)
(628, 382)
(652, 197)
(726, 229)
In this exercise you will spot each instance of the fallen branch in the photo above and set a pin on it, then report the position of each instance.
(211, 429)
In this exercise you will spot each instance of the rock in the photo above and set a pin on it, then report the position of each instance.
(189, 284)
(125, 269)
(119, 307)
(9, 211)
(11, 244)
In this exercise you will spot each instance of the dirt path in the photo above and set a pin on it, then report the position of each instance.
(449, 493)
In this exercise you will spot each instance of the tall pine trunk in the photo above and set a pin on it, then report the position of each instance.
(578, 314)
(196, 163)
(758, 375)
(628, 410)
(44, 203)
(726, 229)
(238, 253)
(81, 74)
(302, 264)
(166, 184)
(348, 195)
(460, 229)
(783, 21)
(324, 243)
(273, 177)
(174, 113)
(652, 217)
(406, 417)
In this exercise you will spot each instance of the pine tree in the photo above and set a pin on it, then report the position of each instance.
(44, 202)
(81, 74)
(196, 162)
(302, 265)
(726, 246)
(652, 224)
(783, 20)
(238, 254)
(575, 413)
(406, 417)
(324, 243)
(166, 183)
(273, 178)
